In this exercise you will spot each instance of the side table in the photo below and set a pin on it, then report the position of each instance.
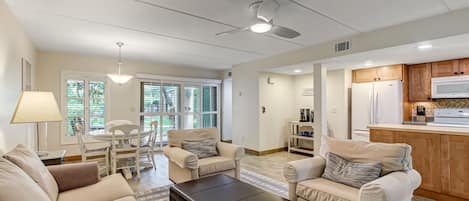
(53, 157)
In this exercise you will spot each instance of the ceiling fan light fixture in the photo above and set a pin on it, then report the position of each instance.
(261, 27)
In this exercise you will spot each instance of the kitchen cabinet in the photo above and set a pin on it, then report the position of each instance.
(445, 68)
(420, 76)
(392, 72)
(440, 158)
(464, 66)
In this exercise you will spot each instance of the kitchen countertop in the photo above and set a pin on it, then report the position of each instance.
(422, 129)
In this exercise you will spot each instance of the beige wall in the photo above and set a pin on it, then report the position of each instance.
(14, 45)
(278, 99)
(124, 99)
(338, 83)
(302, 82)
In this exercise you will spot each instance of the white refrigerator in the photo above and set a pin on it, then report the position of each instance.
(374, 103)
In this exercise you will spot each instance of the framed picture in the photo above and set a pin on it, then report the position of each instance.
(25, 75)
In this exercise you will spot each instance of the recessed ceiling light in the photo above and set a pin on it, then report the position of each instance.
(425, 46)
(297, 71)
(368, 63)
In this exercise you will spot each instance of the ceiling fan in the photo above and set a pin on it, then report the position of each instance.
(264, 12)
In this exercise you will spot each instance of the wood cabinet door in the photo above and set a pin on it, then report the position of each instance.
(420, 82)
(464, 66)
(455, 165)
(445, 68)
(425, 157)
(364, 75)
(381, 136)
(393, 72)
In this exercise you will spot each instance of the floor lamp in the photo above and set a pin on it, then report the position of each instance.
(37, 107)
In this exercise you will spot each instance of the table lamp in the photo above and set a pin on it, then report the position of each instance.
(37, 107)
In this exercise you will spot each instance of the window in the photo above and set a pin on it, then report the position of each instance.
(83, 102)
(177, 104)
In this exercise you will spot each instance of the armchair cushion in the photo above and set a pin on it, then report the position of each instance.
(112, 187)
(203, 148)
(323, 189)
(350, 173)
(300, 170)
(71, 176)
(396, 186)
(15, 184)
(215, 164)
(232, 151)
(395, 157)
(181, 157)
(30, 163)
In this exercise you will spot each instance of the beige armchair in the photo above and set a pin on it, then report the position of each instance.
(185, 166)
(306, 183)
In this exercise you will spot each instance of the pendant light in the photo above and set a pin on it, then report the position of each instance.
(119, 78)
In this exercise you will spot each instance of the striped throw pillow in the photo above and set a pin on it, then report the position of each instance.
(203, 148)
(353, 174)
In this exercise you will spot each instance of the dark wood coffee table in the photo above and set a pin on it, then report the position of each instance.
(219, 188)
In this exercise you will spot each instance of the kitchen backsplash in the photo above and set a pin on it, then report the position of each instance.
(440, 103)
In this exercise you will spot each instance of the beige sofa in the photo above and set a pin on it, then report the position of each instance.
(24, 177)
(397, 183)
(185, 166)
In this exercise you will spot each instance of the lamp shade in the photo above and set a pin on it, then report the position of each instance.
(36, 106)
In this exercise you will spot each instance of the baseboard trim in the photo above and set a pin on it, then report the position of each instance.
(265, 152)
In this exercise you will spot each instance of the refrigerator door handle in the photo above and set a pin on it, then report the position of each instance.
(376, 108)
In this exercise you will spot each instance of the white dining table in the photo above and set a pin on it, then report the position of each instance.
(104, 135)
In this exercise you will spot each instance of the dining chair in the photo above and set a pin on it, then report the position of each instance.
(97, 154)
(147, 145)
(125, 151)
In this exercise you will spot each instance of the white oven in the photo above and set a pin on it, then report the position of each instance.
(450, 87)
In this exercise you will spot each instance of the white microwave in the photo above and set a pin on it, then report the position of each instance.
(450, 87)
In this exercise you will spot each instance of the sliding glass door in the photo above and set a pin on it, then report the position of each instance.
(179, 105)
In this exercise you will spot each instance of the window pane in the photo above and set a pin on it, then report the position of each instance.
(151, 97)
(146, 122)
(96, 90)
(75, 107)
(209, 120)
(191, 99)
(171, 98)
(191, 121)
(96, 123)
(75, 88)
(209, 99)
(97, 107)
(71, 122)
(170, 122)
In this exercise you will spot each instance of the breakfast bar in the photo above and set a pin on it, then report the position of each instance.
(439, 154)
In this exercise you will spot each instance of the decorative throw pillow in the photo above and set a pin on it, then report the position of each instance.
(203, 148)
(16, 185)
(350, 173)
(30, 163)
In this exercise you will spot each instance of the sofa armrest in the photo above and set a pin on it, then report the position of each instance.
(71, 176)
(181, 157)
(396, 186)
(300, 170)
(230, 150)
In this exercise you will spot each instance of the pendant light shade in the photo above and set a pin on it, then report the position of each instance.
(119, 78)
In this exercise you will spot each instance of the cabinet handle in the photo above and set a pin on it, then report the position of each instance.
(456, 73)
(429, 98)
(462, 73)
(379, 78)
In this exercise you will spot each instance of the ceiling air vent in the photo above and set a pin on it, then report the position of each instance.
(342, 46)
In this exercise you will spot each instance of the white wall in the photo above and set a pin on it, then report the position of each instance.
(300, 83)
(338, 83)
(278, 100)
(14, 45)
(227, 109)
(124, 99)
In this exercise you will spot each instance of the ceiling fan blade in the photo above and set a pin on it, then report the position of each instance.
(284, 32)
(232, 31)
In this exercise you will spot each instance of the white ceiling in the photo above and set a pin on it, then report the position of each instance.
(443, 49)
(183, 32)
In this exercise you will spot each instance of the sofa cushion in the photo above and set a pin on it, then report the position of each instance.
(325, 190)
(30, 163)
(15, 184)
(112, 187)
(128, 198)
(394, 157)
(350, 173)
(175, 137)
(203, 148)
(215, 164)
